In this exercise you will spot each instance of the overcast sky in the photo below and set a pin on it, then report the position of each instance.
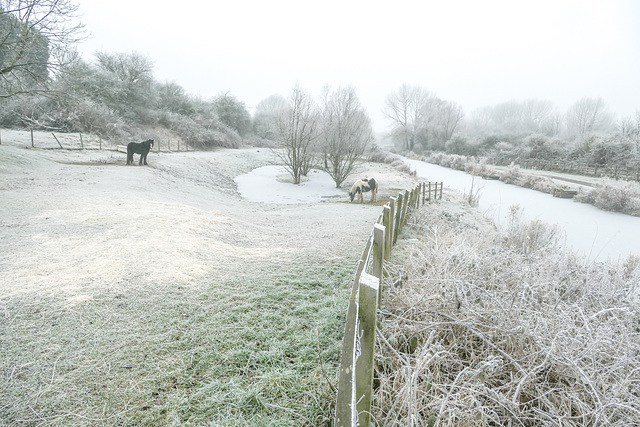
(475, 53)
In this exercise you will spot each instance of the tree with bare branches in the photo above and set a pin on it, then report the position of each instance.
(297, 132)
(407, 110)
(346, 132)
(587, 116)
(36, 37)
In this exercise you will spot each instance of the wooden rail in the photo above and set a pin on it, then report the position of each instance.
(353, 404)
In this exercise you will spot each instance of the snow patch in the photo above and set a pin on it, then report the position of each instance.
(268, 184)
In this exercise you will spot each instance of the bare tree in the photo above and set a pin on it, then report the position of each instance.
(406, 109)
(36, 37)
(346, 132)
(629, 127)
(587, 116)
(298, 130)
(447, 119)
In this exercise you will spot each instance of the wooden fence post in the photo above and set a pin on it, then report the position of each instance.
(441, 187)
(367, 310)
(81, 142)
(345, 401)
(379, 232)
(398, 225)
(393, 202)
(56, 138)
(386, 221)
(32, 144)
(405, 208)
(100, 143)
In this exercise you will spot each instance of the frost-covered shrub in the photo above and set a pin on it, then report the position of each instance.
(198, 132)
(529, 237)
(613, 195)
(480, 167)
(512, 174)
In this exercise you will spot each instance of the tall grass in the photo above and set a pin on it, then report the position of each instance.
(482, 328)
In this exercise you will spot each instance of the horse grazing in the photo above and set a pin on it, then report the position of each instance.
(141, 148)
(362, 186)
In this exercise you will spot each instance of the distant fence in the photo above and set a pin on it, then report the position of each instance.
(353, 404)
(579, 168)
(79, 141)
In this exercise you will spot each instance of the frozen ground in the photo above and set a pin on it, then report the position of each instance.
(72, 221)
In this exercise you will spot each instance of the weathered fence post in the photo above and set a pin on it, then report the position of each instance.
(379, 232)
(368, 304)
(345, 401)
(441, 187)
(386, 221)
(56, 138)
(32, 144)
(405, 208)
(100, 143)
(393, 201)
(398, 224)
(81, 142)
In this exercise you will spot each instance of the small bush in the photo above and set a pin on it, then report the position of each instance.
(613, 195)
(512, 174)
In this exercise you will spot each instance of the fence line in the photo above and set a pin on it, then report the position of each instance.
(580, 168)
(79, 141)
(355, 383)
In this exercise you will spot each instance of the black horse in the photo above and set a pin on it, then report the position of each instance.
(141, 148)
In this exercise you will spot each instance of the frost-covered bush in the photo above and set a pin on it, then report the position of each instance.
(482, 328)
(202, 132)
(512, 174)
(529, 237)
(613, 195)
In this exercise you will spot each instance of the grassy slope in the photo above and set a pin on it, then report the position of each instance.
(245, 346)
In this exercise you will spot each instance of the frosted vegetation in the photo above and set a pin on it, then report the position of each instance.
(481, 328)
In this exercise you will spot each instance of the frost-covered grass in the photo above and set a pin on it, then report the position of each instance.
(243, 352)
(481, 328)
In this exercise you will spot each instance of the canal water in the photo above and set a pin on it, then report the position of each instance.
(596, 234)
